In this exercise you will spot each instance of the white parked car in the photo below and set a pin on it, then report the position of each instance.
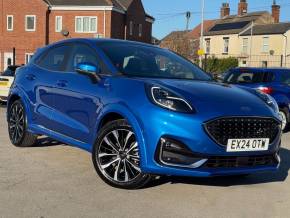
(6, 80)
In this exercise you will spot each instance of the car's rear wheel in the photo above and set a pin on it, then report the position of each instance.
(116, 156)
(284, 114)
(17, 126)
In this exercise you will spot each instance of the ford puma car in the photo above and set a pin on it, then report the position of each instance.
(142, 111)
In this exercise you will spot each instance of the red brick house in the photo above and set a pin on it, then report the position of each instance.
(29, 24)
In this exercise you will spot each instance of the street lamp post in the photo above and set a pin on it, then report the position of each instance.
(201, 32)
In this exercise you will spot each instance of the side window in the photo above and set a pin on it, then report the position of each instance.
(245, 77)
(55, 59)
(285, 78)
(269, 77)
(82, 54)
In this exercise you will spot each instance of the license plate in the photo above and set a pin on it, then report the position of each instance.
(239, 145)
(3, 83)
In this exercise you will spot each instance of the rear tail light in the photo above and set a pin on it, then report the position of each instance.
(266, 90)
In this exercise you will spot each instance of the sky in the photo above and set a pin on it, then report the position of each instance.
(170, 14)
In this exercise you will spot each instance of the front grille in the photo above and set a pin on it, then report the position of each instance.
(222, 129)
(232, 162)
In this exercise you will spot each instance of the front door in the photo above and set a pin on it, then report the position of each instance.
(8, 59)
(77, 99)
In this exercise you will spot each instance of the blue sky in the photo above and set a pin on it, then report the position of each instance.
(169, 17)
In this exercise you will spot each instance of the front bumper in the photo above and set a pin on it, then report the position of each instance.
(189, 130)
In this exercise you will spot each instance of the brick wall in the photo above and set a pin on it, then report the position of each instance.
(24, 42)
(118, 25)
(110, 24)
(136, 13)
(68, 22)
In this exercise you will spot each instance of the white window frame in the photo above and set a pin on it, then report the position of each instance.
(207, 46)
(265, 46)
(56, 24)
(245, 46)
(28, 57)
(131, 26)
(224, 45)
(140, 29)
(12, 23)
(82, 24)
(34, 23)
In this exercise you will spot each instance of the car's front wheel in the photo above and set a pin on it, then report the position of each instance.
(17, 126)
(116, 156)
(283, 113)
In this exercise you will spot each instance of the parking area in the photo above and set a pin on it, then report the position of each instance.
(56, 180)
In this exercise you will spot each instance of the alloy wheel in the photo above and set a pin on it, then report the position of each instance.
(284, 119)
(118, 156)
(16, 123)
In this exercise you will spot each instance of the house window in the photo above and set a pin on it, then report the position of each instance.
(28, 57)
(30, 23)
(131, 28)
(265, 46)
(207, 46)
(140, 30)
(58, 23)
(245, 45)
(264, 64)
(226, 45)
(86, 24)
(9, 22)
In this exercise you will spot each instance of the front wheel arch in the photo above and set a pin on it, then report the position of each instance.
(127, 115)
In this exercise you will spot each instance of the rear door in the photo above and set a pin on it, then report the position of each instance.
(44, 75)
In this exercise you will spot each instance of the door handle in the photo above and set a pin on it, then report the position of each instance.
(30, 77)
(61, 83)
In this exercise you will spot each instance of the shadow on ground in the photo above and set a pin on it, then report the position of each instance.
(47, 142)
(269, 177)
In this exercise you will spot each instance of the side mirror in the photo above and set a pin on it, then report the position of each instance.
(90, 70)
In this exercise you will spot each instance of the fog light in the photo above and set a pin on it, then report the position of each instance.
(174, 153)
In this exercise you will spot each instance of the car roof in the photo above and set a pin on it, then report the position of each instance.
(102, 41)
(258, 69)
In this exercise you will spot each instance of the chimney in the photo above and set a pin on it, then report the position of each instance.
(276, 12)
(225, 10)
(243, 7)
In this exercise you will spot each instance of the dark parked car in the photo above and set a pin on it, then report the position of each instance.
(272, 81)
(10, 71)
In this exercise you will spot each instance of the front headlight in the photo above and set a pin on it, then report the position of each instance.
(167, 99)
(269, 100)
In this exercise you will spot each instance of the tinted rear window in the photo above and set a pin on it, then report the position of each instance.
(285, 77)
(55, 59)
(245, 77)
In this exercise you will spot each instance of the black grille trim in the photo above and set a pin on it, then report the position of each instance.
(222, 129)
(242, 161)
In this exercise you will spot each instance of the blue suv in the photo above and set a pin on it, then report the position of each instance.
(272, 81)
(142, 111)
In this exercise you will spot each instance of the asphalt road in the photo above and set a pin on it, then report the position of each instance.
(55, 180)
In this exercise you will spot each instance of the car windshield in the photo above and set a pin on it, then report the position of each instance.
(147, 61)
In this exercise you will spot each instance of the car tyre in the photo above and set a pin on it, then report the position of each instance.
(116, 156)
(284, 115)
(17, 126)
